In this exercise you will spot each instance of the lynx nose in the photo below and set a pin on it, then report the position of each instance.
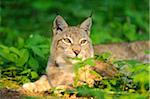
(76, 52)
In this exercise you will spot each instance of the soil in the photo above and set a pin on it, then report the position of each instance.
(6, 93)
(9, 94)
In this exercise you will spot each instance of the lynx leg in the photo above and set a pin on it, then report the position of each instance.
(40, 85)
(58, 77)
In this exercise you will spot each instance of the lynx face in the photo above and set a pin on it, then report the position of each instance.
(74, 42)
(71, 42)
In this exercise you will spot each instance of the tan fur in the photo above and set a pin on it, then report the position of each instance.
(68, 42)
(121, 51)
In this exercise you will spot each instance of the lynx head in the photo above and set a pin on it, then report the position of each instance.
(71, 41)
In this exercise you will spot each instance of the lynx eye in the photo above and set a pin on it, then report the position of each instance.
(67, 40)
(83, 41)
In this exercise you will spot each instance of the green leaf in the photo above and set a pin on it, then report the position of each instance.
(34, 75)
(77, 66)
(147, 52)
(26, 71)
(141, 77)
(106, 55)
(12, 57)
(95, 73)
(24, 55)
(38, 51)
(14, 50)
(39, 45)
(24, 79)
(94, 92)
(33, 63)
(3, 47)
(89, 61)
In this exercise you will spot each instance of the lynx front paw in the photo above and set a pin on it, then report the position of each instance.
(30, 87)
(39, 86)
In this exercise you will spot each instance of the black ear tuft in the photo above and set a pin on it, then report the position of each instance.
(91, 14)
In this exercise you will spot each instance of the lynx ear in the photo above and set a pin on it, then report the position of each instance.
(86, 25)
(59, 25)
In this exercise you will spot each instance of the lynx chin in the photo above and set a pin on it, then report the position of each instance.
(68, 42)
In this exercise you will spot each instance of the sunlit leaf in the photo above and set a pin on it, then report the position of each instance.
(34, 75)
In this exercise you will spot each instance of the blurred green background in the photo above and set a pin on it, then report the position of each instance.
(113, 20)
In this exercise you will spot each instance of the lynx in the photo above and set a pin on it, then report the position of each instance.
(74, 42)
(68, 42)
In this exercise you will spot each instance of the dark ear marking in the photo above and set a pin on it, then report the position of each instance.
(59, 25)
(58, 28)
